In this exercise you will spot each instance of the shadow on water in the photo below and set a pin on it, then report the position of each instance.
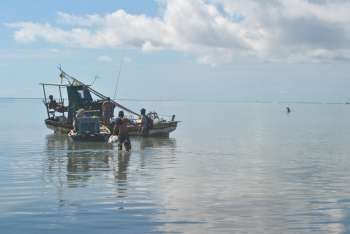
(153, 150)
(163, 142)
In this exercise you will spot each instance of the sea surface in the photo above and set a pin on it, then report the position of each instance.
(228, 168)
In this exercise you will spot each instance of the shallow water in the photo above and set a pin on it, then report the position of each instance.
(228, 168)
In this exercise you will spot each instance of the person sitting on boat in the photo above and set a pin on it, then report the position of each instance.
(146, 123)
(107, 111)
(120, 129)
(52, 104)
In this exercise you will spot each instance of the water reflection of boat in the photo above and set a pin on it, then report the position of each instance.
(80, 160)
(61, 115)
(70, 164)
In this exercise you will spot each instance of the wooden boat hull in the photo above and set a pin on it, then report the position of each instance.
(58, 127)
(161, 129)
(89, 137)
(158, 130)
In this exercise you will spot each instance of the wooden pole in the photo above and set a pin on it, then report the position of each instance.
(61, 99)
(45, 100)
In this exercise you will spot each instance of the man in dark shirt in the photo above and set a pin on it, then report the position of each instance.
(56, 106)
(52, 104)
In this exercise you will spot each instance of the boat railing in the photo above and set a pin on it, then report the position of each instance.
(58, 106)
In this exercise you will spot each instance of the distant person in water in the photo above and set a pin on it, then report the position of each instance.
(107, 111)
(120, 129)
(146, 123)
(52, 104)
(288, 109)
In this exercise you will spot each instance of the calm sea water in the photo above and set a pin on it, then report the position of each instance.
(229, 168)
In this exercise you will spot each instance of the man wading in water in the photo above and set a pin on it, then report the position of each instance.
(121, 130)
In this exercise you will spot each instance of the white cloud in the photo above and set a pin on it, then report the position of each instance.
(216, 31)
(25, 54)
(104, 59)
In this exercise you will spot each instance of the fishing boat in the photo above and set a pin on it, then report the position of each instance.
(61, 115)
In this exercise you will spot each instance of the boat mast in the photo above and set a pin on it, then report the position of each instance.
(61, 98)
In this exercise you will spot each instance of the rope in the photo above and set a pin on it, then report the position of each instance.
(118, 77)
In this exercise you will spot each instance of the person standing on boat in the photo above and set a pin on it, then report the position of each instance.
(107, 111)
(121, 130)
(146, 123)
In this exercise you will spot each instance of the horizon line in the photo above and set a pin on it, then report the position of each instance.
(196, 101)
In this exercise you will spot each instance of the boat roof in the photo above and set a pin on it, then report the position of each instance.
(63, 85)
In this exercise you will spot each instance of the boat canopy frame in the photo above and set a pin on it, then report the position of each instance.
(61, 99)
(73, 82)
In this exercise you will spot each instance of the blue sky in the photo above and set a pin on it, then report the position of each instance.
(176, 49)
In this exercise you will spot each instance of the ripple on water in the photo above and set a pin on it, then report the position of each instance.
(260, 172)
